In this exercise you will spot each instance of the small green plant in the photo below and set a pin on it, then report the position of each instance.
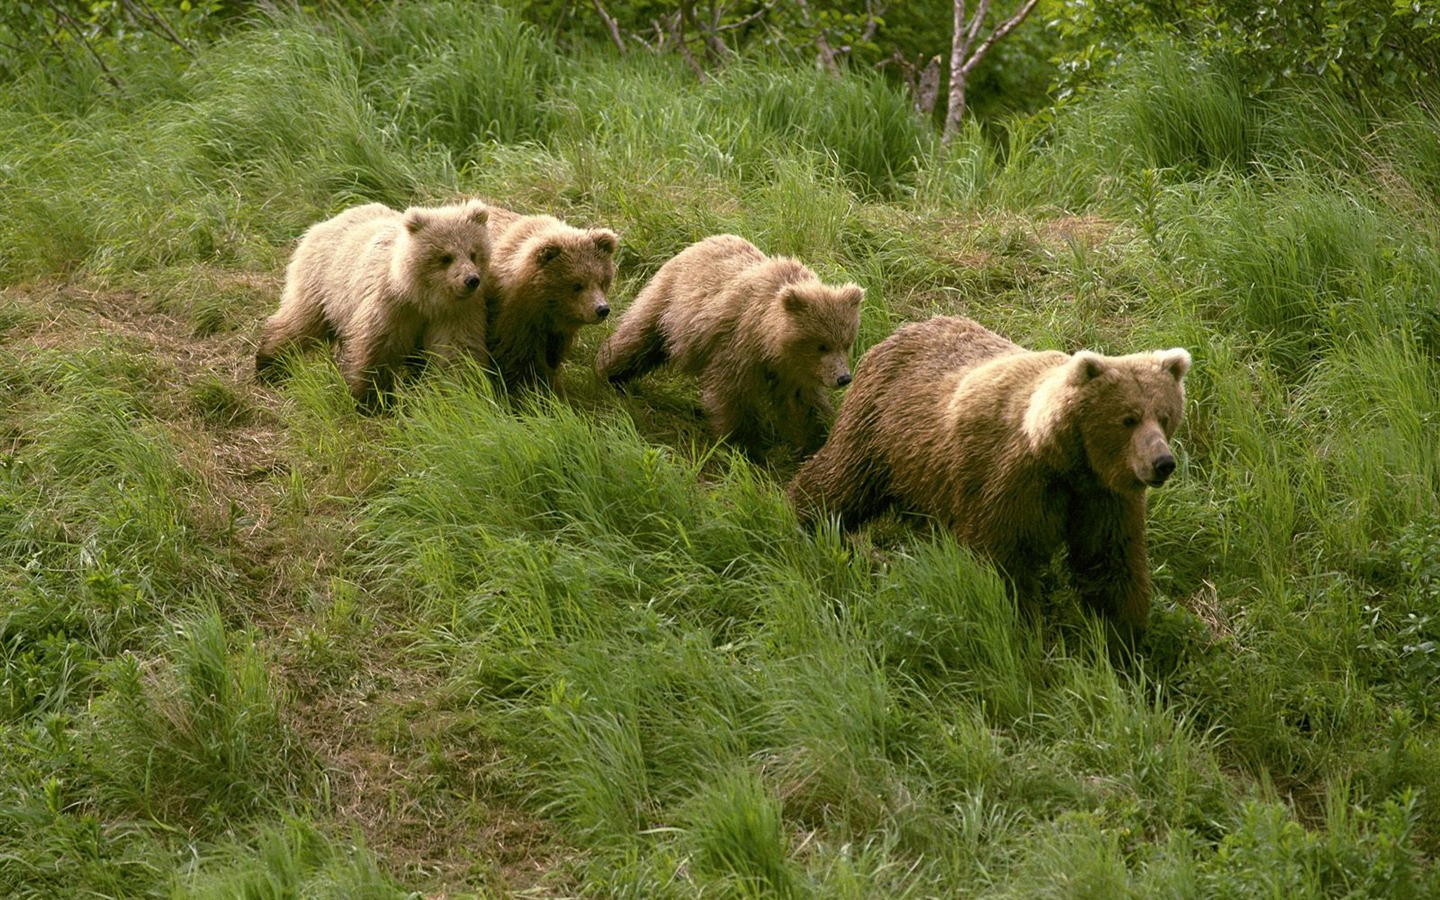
(1401, 637)
(738, 834)
(199, 735)
(290, 858)
(217, 403)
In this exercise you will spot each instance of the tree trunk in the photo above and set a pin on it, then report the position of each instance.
(611, 26)
(959, 48)
(927, 88)
(963, 59)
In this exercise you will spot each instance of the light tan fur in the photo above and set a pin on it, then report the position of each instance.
(550, 279)
(766, 338)
(384, 285)
(1017, 452)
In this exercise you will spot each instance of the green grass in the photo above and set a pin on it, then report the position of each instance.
(254, 643)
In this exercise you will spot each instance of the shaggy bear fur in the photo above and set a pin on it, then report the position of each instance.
(549, 279)
(382, 285)
(765, 337)
(1017, 452)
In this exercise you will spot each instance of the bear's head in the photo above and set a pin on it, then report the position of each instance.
(574, 269)
(1124, 410)
(821, 323)
(447, 253)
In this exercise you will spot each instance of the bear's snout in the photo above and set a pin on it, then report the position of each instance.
(843, 380)
(602, 311)
(1163, 467)
(472, 282)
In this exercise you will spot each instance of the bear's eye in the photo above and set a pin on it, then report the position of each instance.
(1165, 422)
(446, 259)
(1130, 422)
(472, 257)
(824, 348)
(577, 287)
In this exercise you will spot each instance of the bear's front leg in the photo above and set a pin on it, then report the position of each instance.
(846, 478)
(1106, 538)
(369, 363)
(731, 418)
(634, 349)
(804, 419)
(449, 339)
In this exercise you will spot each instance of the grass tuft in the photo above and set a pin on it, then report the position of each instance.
(258, 643)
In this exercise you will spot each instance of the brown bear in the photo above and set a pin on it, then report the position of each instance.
(1017, 452)
(382, 285)
(765, 337)
(549, 279)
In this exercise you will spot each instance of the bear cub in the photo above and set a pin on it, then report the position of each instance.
(1017, 452)
(765, 337)
(382, 285)
(549, 280)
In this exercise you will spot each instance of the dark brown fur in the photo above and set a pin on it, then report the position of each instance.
(1016, 452)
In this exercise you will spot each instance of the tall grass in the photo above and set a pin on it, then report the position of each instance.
(290, 859)
(738, 122)
(862, 120)
(257, 643)
(201, 739)
(820, 678)
(301, 144)
(103, 495)
(1167, 112)
(459, 73)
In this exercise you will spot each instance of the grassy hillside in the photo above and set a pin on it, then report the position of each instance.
(253, 644)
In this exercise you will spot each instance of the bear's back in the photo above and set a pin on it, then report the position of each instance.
(339, 260)
(701, 297)
(948, 344)
(701, 276)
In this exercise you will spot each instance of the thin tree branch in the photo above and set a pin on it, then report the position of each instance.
(715, 48)
(963, 59)
(145, 12)
(677, 31)
(826, 53)
(750, 19)
(612, 26)
(975, 24)
(1005, 28)
(872, 20)
(67, 22)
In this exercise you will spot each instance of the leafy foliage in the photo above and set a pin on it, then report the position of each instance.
(76, 32)
(1361, 46)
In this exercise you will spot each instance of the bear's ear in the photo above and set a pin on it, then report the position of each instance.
(791, 300)
(1086, 366)
(415, 219)
(606, 240)
(852, 294)
(1176, 361)
(478, 212)
(548, 252)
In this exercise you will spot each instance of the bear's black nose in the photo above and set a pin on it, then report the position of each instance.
(472, 282)
(843, 380)
(602, 311)
(1163, 467)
